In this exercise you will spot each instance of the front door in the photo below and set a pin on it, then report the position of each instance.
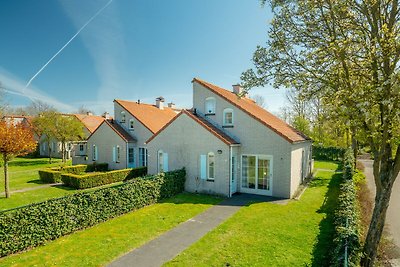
(233, 178)
(131, 157)
(256, 174)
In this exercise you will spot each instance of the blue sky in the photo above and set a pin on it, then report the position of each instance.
(132, 50)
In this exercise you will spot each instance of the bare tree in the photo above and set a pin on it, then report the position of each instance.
(83, 110)
(260, 100)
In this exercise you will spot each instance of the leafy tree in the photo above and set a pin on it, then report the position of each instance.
(15, 140)
(53, 126)
(348, 53)
(67, 129)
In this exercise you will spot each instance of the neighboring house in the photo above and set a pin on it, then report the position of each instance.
(120, 142)
(229, 144)
(90, 123)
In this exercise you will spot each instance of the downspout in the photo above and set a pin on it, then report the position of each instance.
(230, 171)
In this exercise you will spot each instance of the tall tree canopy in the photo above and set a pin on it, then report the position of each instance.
(348, 53)
(15, 140)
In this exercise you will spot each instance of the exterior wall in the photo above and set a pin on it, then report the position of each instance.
(140, 132)
(105, 139)
(255, 138)
(56, 152)
(301, 164)
(184, 141)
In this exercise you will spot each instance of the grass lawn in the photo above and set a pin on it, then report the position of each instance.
(101, 244)
(264, 234)
(23, 172)
(327, 165)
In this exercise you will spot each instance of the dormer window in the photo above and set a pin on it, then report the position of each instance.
(210, 105)
(228, 117)
(123, 116)
(131, 124)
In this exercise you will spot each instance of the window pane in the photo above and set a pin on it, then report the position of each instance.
(160, 162)
(249, 171)
(228, 118)
(263, 174)
(130, 155)
(211, 163)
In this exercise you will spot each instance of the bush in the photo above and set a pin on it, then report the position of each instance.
(53, 175)
(32, 225)
(328, 153)
(50, 176)
(347, 217)
(90, 180)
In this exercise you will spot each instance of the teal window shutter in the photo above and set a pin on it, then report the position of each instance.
(114, 158)
(165, 162)
(203, 167)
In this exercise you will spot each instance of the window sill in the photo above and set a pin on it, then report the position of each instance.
(227, 126)
(210, 180)
(130, 129)
(209, 114)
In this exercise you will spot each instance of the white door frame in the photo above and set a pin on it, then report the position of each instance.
(256, 190)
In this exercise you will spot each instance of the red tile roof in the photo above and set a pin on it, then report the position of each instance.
(250, 107)
(203, 122)
(150, 116)
(117, 129)
(91, 122)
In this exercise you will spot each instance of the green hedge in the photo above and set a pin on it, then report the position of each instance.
(33, 225)
(53, 175)
(347, 218)
(90, 180)
(328, 153)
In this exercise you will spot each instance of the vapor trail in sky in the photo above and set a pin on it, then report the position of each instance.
(67, 43)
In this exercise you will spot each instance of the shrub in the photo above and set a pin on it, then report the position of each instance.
(32, 225)
(347, 217)
(53, 175)
(90, 180)
(50, 176)
(328, 153)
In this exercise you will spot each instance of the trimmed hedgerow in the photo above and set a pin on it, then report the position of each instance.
(328, 153)
(33, 225)
(53, 175)
(347, 218)
(90, 180)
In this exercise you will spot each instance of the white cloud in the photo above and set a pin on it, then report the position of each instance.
(104, 41)
(16, 86)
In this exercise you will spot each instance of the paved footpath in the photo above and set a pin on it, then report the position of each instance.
(392, 215)
(167, 246)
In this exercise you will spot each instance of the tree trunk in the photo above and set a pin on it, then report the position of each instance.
(6, 185)
(63, 151)
(377, 224)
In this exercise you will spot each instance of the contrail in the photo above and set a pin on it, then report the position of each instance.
(70, 40)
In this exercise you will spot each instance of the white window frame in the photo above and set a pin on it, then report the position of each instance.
(133, 155)
(81, 148)
(131, 124)
(94, 153)
(143, 158)
(254, 190)
(210, 101)
(118, 149)
(123, 117)
(226, 111)
(210, 177)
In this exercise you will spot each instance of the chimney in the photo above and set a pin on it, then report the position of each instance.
(89, 113)
(160, 102)
(171, 105)
(106, 115)
(237, 89)
(138, 101)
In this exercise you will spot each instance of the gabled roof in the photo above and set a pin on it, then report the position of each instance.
(18, 119)
(150, 116)
(117, 129)
(251, 108)
(204, 123)
(91, 122)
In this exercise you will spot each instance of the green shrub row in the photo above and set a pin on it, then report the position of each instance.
(33, 225)
(347, 218)
(53, 175)
(90, 180)
(328, 153)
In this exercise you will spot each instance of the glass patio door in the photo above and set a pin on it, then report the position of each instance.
(257, 174)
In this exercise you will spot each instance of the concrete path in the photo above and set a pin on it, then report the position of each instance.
(31, 188)
(392, 215)
(167, 246)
